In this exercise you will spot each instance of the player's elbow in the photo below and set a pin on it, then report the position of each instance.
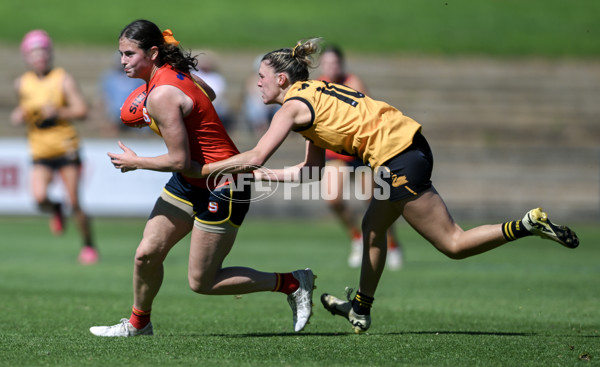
(180, 163)
(181, 166)
(78, 111)
(84, 114)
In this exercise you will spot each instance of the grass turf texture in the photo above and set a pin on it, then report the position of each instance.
(530, 303)
(510, 27)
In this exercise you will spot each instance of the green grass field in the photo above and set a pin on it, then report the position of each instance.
(554, 28)
(530, 303)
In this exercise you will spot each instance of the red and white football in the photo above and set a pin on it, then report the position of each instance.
(132, 109)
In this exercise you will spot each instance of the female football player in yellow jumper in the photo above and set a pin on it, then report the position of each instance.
(49, 99)
(333, 116)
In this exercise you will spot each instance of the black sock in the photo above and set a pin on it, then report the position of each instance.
(514, 230)
(361, 304)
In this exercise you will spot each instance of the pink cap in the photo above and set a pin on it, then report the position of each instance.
(34, 39)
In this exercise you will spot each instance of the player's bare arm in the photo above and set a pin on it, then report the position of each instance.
(17, 116)
(291, 114)
(168, 106)
(314, 158)
(76, 107)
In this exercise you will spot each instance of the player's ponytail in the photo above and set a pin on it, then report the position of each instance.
(296, 61)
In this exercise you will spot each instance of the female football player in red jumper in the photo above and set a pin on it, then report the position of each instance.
(181, 112)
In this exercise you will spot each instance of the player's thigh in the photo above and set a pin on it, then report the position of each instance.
(167, 225)
(429, 216)
(380, 215)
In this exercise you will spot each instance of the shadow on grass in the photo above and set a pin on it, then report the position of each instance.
(269, 335)
(333, 334)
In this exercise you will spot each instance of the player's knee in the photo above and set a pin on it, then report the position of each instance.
(42, 202)
(453, 251)
(145, 258)
(196, 286)
(456, 255)
(141, 258)
(199, 286)
(375, 238)
(371, 227)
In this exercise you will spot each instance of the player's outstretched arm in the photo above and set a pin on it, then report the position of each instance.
(308, 170)
(290, 115)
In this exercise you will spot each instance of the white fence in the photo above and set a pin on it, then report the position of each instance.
(477, 183)
(104, 191)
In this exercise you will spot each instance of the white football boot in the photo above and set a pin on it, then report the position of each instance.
(122, 329)
(301, 300)
(395, 259)
(356, 252)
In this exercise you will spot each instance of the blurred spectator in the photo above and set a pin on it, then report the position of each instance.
(115, 88)
(255, 113)
(208, 71)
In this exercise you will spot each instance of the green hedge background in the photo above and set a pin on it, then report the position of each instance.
(549, 28)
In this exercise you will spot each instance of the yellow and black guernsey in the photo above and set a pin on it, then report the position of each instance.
(48, 138)
(351, 123)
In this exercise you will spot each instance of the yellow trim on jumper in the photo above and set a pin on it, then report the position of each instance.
(198, 85)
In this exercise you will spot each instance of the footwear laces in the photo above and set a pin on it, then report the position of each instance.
(120, 329)
(348, 293)
(122, 326)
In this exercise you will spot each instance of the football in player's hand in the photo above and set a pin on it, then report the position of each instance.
(132, 109)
